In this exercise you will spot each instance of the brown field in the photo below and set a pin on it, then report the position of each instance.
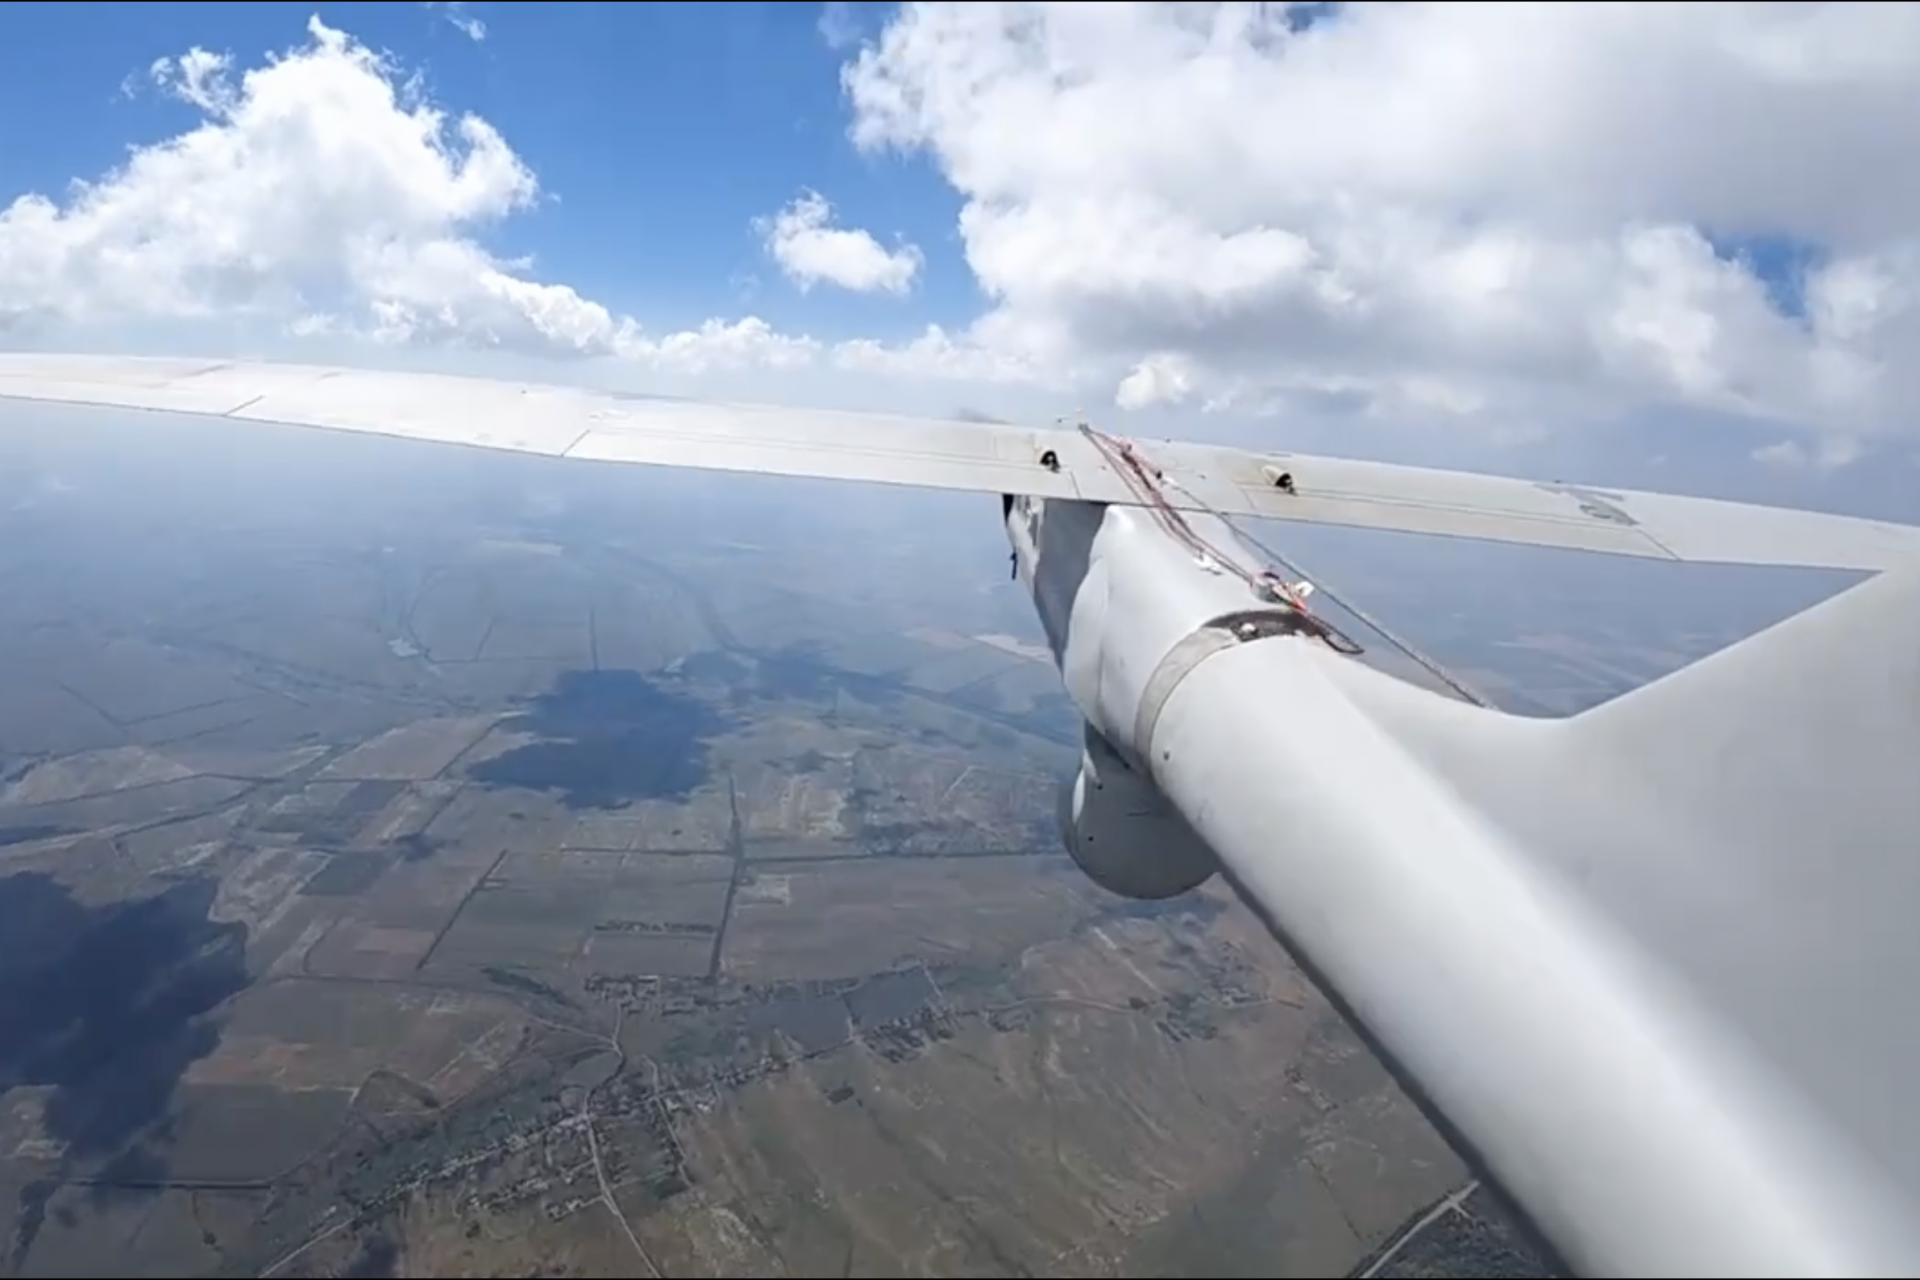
(777, 803)
(381, 868)
(431, 1237)
(625, 955)
(597, 911)
(299, 1034)
(92, 773)
(1065, 1131)
(670, 889)
(351, 949)
(845, 919)
(701, 823)
(409, 813)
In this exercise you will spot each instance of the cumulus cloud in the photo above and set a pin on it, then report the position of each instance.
(1497, 215)
(810, 250)
(323, 191)
(1451, 210)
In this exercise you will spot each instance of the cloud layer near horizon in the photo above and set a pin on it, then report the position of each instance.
(1473, 213)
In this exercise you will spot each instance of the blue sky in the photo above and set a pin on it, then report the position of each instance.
(658, 130)
(1365, 229)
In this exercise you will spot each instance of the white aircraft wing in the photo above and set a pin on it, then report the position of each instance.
(1049, 462)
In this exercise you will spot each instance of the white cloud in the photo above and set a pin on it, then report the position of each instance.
(1161, 378)
(838, 25)
(321, 190)
(455, 12)
(1480, 210)
(810, 250)
(1829, 454)
(1492, 215)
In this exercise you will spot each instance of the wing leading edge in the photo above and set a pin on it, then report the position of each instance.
(600, 426)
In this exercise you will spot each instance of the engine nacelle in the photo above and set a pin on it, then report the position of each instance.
(1122, 832)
